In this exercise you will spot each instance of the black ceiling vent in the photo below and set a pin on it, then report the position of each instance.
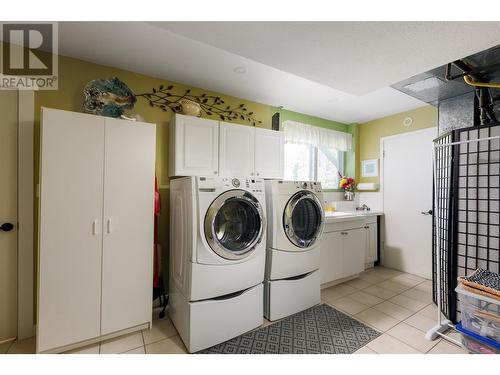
(432, 86)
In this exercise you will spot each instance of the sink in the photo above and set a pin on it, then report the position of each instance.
(338, 213)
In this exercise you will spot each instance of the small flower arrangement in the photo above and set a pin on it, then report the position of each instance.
(347, 183)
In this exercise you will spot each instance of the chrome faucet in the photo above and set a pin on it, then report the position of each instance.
(363, 208)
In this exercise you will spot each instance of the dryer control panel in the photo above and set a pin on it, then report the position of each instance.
(314, 186)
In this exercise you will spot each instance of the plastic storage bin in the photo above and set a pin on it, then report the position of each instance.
(480, 314)
(477, 344)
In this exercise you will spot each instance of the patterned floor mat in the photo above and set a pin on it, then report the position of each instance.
(318, 330)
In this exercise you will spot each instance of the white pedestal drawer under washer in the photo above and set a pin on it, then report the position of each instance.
(217, 257)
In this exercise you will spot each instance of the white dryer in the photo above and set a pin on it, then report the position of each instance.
(217, 258)
(295, 211)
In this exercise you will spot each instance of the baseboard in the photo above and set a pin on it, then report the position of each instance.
(95, 340)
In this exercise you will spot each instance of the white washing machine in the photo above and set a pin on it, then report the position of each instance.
(217, 258)
(295, 211)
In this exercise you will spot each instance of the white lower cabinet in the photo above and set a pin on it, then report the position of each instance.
(371, 242)
(95, 228)
(345, 248)
(354, 251)
(331, 257)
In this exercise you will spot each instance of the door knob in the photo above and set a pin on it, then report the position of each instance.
(7, 227)
(426, 212)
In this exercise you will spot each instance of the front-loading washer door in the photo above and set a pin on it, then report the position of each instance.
(303, 219)
(234, 224)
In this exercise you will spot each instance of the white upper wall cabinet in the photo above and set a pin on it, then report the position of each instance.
(269, 153)
(202, 147)
(236, 150)
(194, 146)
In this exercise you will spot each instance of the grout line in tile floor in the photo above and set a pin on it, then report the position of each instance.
(399, 321)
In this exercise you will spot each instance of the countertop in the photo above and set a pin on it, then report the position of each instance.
(337, 216)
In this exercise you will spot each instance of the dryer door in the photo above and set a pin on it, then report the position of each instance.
(234, 224)
(303, 219)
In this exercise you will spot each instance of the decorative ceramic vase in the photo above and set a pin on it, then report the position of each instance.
(190, 108)
(349, 195)
(108, 97)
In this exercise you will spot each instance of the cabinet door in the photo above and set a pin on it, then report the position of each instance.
(236, 150)
(127, 261)
(194, 145)
(354, 251)
(269, 153)
(70, 236)
(371, 243)
(331, 257)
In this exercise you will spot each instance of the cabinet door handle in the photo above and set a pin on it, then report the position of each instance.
(94, 227)
(108, 225)
(367, 227)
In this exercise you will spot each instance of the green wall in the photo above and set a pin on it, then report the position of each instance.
(368, 144)
(286, 115)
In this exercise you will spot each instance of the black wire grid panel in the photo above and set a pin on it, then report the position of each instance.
(468, 183)
(442, 188)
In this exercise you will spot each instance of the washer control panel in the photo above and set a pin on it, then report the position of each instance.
(255, 185)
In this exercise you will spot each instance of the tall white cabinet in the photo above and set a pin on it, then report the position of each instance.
(96, 202)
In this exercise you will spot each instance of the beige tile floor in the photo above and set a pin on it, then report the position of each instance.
(397, 304)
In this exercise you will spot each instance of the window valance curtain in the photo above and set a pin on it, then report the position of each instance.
(296, 132)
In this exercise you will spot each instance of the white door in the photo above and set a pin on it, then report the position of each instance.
(194, 147)
(407, 192)
(354, 251)
(127, 261)
(8, 215)
(331, 257)
(269, 153)
(70, 235)
(236, 150)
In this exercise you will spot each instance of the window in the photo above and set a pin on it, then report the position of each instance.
(314, 154)
(310, 163)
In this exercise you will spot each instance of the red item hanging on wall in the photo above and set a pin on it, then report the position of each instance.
(157, 198)
(157, 250)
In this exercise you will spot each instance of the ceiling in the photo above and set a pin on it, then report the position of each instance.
(335, 70)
